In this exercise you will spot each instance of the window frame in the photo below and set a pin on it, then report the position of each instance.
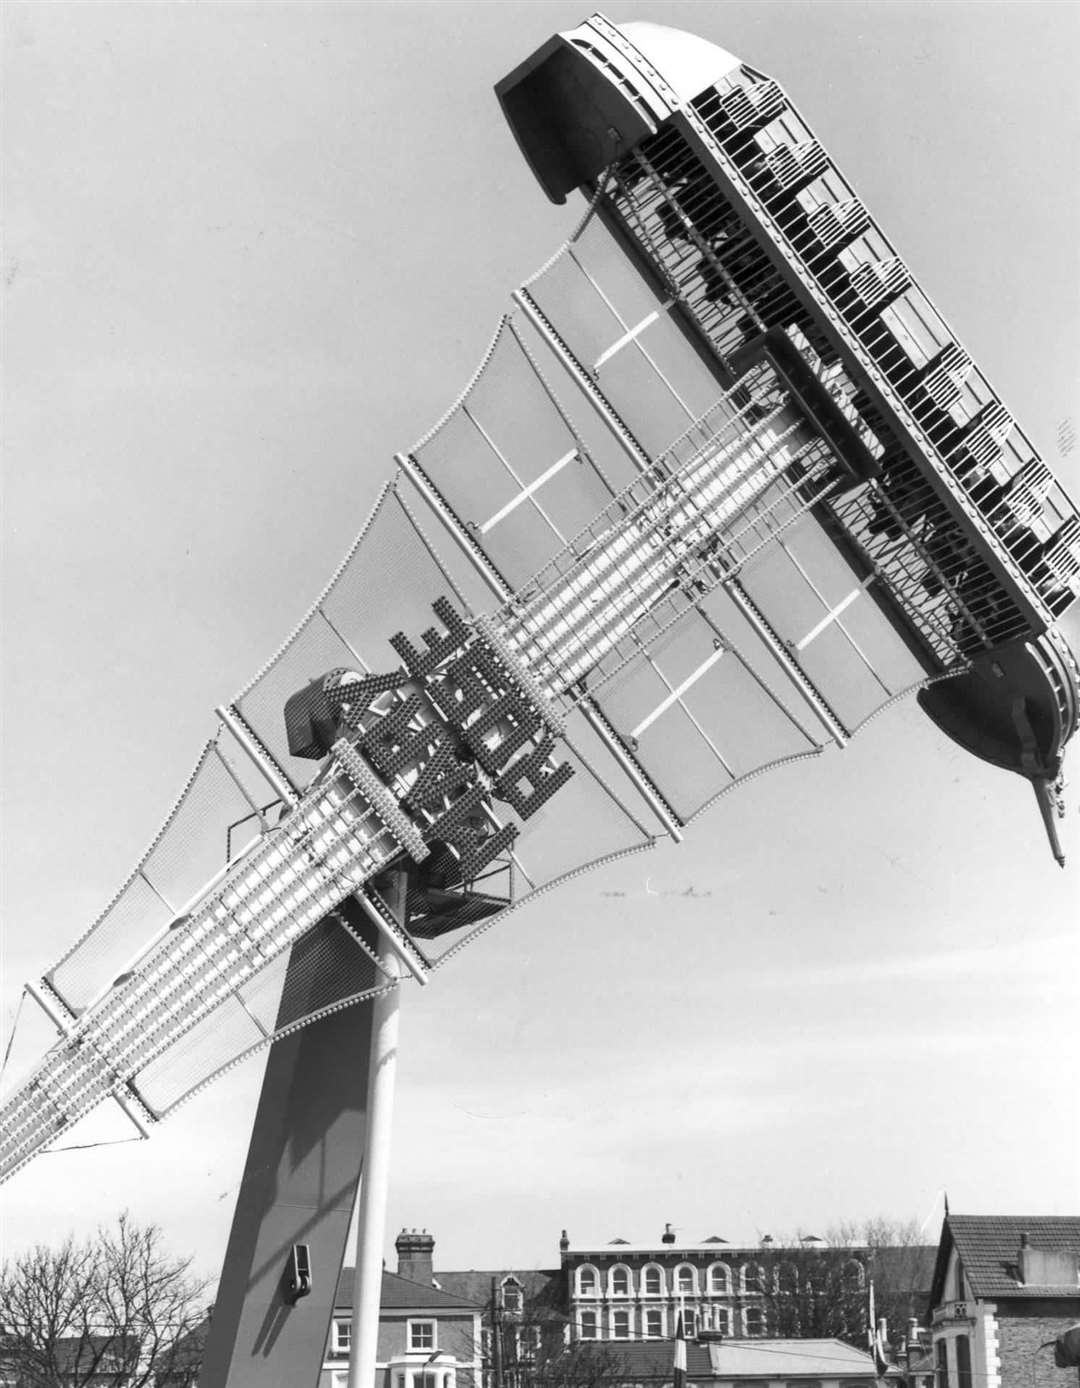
(677, 1288)
(593, 1272)
(620, 1270)
(758, 1312)
(661, 1330)
(656, 1270)
(412, 1327)
(340, 1336)
(710, 1279)
(618, 1312)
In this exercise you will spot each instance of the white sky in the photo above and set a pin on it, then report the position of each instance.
(251, 251)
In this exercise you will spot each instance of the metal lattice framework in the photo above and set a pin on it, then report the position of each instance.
(659, 572)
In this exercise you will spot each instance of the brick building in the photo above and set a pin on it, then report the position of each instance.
(1004, 1287)
(428, 1337)
(625, 1291)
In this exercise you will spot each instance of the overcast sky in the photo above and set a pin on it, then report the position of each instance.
(252, 251)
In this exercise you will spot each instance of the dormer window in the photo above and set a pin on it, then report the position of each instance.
(513, 1297)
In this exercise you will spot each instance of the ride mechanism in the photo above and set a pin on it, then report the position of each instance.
(724, 487)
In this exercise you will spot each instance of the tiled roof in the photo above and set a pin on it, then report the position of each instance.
(790, 1359)
(542, 1287)
(989, 1247)
(399, 1294)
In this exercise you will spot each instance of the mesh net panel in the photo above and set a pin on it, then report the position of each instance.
(696, 716)
(622, 332)
(386, 585)
(189, 849)
(821, 610)
(520, 470)
(323, 968)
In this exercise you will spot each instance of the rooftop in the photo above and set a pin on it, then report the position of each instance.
(790, 1359)
(399, 1294)
(989, 1248)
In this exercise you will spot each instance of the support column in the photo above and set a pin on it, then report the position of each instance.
(299, 1183)
(375, 1178)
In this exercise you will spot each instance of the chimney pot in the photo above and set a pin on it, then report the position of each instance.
(668, 1236)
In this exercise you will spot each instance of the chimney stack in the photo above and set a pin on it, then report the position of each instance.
(668, 1236)
(415, 1255)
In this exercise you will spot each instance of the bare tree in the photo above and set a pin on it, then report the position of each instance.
(823, 1288)
(115, 1311)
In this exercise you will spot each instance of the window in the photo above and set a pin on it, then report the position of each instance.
(422, 1336)
(685, 1280)
(689, 1320)
(854, 1275)
(716, 1318)
(620, 1325)
(787, 1279)
(512, 1297)
(719, 1279)
(941, 1354)
(588, 1283)
(340, 1337)
(753, 1321)
(808, 1383)
(652, 1281)
(339, 1378)
(654, 1324)
(620, 1281)
(959, 1292)
(963, 1362)
(425, 1378)
(588, 1325)
(753, 1277)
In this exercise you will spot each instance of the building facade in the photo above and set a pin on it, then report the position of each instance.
(626, 1292)
(428, 1337)
(1004, 1287)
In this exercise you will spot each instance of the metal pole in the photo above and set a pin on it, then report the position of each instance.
(375, 1171)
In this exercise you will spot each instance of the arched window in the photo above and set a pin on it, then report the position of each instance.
(854, 1275)
(685, 1280)
(588, 1282)
(787, 1279)
(963, 1361)
(653, 1324)
(512, 1296)
(620, 1325)
(652, 1280)
(753, 1320)
(588, 1325)
(753, 1277)
(719, 1279)
(619, 1280)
